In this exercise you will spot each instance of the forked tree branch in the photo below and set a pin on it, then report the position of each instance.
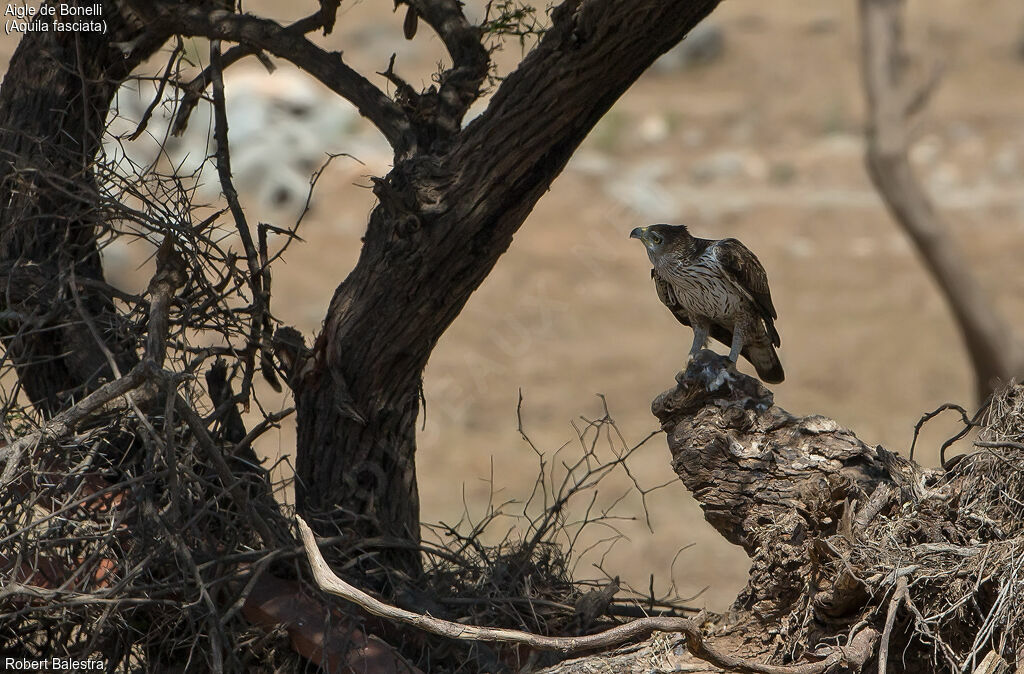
(461, 39)
(257, 33)
(460, 85)
(856, 653)
(891, 100)
(193, 91)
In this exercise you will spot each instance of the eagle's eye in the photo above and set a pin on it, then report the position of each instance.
(656, 238)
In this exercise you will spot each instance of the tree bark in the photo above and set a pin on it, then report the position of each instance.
(54, 103)
(445, 216)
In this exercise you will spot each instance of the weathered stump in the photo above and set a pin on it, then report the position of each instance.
(774, 483)
(850, 545)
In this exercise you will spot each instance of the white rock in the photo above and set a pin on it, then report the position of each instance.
(653, 128)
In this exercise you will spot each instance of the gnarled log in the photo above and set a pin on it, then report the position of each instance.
(769, 481)
(789, 490)
(909, 569)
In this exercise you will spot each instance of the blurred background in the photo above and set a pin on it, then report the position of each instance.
(752, 128)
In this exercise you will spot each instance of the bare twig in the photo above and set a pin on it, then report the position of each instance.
(256, 271)
(172, 61)
(899, 595)
(170, 275)
(969, 423)
(999, 444)
(220, 465)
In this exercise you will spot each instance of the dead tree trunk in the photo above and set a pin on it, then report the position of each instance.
(995, 353)
(777, 485)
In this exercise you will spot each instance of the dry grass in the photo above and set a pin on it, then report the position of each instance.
(945, 565)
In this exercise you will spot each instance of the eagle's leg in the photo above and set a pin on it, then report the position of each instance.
(738, 337)
(700, 338)
(737, 342)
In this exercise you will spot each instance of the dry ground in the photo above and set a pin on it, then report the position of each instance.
(764, 145)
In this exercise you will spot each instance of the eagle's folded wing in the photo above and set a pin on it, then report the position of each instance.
(746, 271)
(668, 297)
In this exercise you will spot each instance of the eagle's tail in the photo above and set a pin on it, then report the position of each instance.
(766, 362)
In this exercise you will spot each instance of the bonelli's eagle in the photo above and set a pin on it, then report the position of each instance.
(719, 288)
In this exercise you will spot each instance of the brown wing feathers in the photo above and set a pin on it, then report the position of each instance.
(734, 262)
(737, 260)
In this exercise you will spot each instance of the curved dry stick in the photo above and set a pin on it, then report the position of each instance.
(856, 653)
(969, 423)
(890, 619)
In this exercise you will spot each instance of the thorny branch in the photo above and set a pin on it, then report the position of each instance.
(257, 272)
(87, 494)
(69, 420)
(192, 92)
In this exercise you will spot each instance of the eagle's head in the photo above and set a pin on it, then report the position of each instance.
(661, 240)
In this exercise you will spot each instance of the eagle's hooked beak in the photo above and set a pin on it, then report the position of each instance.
(639, 233)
